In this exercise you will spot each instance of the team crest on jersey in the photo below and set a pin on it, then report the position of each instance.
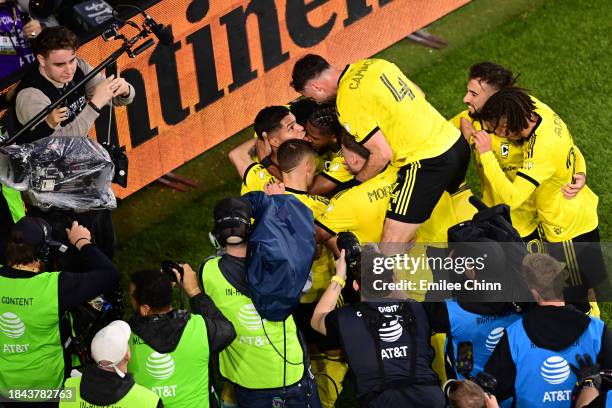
(505, 150)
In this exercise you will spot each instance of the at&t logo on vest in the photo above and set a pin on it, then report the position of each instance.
(249, 317)
(391, 330)
(555, 370)
(493, 338)
(160, 366)
(11, 325)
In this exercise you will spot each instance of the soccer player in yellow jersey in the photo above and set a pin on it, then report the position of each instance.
(275, 124)
(390, 117)
(485, 79)
(297, 161)
(323, 134)
(549, 160)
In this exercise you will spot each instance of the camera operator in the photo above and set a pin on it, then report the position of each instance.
(171, 348)
(108, 382)
(33, 302)
(58, 70)
(385, 339)
(475, 319)
(267, 362)
(531, 361)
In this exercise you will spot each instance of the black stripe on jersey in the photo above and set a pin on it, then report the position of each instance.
(529, 179)
(387, 83)
(342, 74)
(369, 135)
(247, 172)
(332, 233)
(465, 187)
(328, 177)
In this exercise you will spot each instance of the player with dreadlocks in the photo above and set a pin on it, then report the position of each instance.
(323, 133)
(549, 162)
(484, 80)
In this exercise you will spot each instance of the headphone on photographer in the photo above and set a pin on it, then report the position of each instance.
(42, 251)
(232, 222)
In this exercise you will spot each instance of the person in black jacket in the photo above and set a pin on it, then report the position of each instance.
(108, 383)
(186, 340)
(386, 338)
(34, 302)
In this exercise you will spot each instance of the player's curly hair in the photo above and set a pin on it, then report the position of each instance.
(307, 68)
(493, 74)
(512, 103)
(325, 118)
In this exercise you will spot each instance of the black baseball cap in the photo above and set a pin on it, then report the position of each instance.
(232, 220)
(35, 231)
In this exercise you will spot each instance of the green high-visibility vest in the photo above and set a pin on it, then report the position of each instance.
(251, 360)
(137, 397)
(179, 378)
(31, 353)
(14, 202)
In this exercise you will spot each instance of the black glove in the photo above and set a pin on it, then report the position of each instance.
(587, 370)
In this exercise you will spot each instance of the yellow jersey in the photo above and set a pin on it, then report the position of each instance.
(361, 209)
(255, 178)
(323, 266)
(374, 94)
(549, 162)
(510, 157)
(335, 169)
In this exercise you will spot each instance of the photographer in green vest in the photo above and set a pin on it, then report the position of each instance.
(267, 362)
(171, 348)
(108, 383)
(33, 301)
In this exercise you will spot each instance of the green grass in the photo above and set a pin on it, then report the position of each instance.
(560, 48)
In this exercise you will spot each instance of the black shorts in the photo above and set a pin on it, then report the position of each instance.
(585, 267)
(421, 184)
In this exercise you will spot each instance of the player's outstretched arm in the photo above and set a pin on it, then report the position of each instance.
(380, 155)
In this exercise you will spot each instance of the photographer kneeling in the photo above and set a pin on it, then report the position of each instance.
(171, 348)
(34, 301)
(386, 339)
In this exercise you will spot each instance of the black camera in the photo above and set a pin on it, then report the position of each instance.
(168, 268)
(352, 251)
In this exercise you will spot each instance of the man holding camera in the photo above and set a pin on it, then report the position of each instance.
(385, 337)
(57, 72)
(171, 348)
(33, 302)
(267, 362)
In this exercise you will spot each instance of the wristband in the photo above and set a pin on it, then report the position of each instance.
(94, 107)
(338, 280)
(266, 162)
(77, 241)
